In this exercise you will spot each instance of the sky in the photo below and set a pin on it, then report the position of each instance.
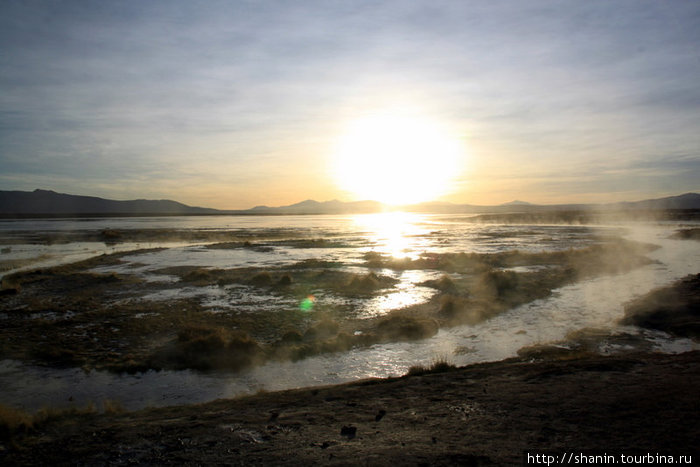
(233, 104)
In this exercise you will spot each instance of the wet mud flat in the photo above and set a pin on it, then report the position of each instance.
(77, 315)
(673, 309)
(485, 414)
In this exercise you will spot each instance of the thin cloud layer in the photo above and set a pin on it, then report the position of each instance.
(232, 104)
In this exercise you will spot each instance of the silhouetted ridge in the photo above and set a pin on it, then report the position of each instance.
(50, 203)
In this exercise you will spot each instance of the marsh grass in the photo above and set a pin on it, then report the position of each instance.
(456, 310)
(439, 365)
(179, 334)
(112, 407)
(206, 348)
(56, 355)
(401, 327)
(199, 276)
(368, 283)
(687, 234)
(261, 279)
(554, 352)
(609, 255)
(321, 331)
(674, 309)
(444, 284)
(15, 423)
(327, 336)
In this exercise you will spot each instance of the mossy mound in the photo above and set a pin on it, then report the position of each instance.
(205, 348)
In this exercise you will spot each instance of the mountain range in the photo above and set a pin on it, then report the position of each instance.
(46, 203)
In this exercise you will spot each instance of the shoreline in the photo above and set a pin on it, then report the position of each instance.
(482, 414)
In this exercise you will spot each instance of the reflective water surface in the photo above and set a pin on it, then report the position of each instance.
(595, 303)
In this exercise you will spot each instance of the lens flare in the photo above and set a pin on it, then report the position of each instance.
(308, 303)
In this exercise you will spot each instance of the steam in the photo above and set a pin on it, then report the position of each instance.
(485, 306)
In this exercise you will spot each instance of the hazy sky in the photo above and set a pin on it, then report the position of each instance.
(232, 104)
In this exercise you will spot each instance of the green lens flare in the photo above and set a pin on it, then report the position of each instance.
(308, 303)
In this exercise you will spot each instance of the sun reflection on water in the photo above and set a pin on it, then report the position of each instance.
(398, 234)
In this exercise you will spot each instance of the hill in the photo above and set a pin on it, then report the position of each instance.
(314, 207)
(46, 203)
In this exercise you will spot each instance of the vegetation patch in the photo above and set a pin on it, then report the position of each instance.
(438, 366)
(72, 316)
(402, 327)
(687, 234)
(444, 284)
(674, 309)
(15, 423)
(207, 348)
(368, 283)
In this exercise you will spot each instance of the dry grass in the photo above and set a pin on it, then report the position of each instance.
(674, 309)
(323, 330)
(687, 234)
(261, 279)
(444, 284)
(400, 327)
(208, 348)
(15, 423)
(440, 365)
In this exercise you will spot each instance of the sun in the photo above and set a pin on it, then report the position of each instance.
(396, 159)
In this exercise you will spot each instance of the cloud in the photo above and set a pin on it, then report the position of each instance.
(124, 89)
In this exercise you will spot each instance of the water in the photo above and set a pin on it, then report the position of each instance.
(596, 303)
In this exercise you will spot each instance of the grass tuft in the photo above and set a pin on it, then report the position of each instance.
(15, 423)
(209, 348)
(404, 327)
(438, 366)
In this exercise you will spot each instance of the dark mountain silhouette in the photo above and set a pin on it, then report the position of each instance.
(50, 203)
(517, 202)
(42, 203)
(314, 207)
(686, 201)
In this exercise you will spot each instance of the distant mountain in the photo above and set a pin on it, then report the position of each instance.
(50, 203)
(314, 207)
(517, 202)
(686, 201)
(42, 203)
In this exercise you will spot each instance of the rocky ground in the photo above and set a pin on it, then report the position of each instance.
(487, 414)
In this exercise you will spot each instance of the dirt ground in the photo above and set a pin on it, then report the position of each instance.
(487, 414)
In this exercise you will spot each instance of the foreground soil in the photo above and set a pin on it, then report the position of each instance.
(487, 414)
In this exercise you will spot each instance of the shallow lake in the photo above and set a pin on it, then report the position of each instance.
(596, 302)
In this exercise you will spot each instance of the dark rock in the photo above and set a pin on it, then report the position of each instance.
(8, 292)
(349, 431)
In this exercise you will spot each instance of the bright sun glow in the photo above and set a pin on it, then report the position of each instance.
(397, 159)
(398, 234)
